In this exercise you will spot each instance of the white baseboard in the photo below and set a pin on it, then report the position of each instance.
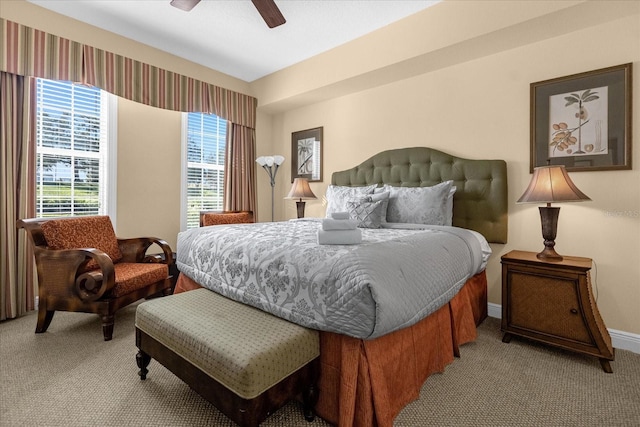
(620, 339)
(625, 340)
(494, 310)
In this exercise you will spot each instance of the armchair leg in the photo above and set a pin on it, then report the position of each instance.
(44, 319)
(107, 326)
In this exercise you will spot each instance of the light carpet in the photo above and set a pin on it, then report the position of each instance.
(69, 376)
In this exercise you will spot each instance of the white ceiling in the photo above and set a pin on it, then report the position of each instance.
(230, 35)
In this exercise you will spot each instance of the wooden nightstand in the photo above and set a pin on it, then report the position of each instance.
(552, 302)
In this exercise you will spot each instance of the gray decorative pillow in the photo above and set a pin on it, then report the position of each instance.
(419, 205)
(368, 214)
(382, 197)
(337, 196)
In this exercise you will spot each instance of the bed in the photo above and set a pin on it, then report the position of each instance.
(372, 367)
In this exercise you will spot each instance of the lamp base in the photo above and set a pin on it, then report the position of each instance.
(300, 206)
(549, 254)
(549, 219)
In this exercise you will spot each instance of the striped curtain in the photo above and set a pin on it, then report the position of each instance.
(239, 177)
(17, 197)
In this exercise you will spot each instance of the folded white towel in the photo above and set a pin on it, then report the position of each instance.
(339, 237)
(340, 215)
(339, 224)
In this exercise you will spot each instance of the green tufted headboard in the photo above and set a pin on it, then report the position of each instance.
(480, 201)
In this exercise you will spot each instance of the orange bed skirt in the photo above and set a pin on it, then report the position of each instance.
(366, 383)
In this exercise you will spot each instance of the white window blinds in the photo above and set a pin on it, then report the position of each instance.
(71, 139)
(206, 140)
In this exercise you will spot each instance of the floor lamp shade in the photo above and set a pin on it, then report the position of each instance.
(551, 184)
(300, 190)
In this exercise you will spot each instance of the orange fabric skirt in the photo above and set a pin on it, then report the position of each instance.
(366, 383)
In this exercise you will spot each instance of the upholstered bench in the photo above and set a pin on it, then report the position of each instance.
(244, 361)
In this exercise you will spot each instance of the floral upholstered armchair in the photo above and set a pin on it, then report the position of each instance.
(225, 217)
(82, 266)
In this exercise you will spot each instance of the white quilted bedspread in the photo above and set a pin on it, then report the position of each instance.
(393, 279)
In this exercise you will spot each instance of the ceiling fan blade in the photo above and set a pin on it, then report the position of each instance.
(270, 12)
(185, 5)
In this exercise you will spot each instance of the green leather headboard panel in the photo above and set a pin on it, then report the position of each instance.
(480, 201)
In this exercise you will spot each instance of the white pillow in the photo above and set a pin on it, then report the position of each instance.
(449, 206)
(420, 205)
(337, 196)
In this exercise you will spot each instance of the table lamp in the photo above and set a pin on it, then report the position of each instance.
(551, 184)
(300, 190)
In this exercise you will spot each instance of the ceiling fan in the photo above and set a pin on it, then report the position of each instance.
(267, 8)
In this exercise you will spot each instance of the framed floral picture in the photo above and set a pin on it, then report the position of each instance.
(583, 121)
(306, 154)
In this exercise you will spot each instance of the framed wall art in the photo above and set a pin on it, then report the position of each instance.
(306, 154)
(583, 121)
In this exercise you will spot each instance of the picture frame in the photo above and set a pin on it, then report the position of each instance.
(306, 154)
(583, 121)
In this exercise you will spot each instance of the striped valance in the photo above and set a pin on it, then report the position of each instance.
(30, 52)
(142, 82)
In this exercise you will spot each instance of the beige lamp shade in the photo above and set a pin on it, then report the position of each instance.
(300, 190)
(551, 184)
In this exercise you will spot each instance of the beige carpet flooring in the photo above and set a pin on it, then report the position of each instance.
(70, 377)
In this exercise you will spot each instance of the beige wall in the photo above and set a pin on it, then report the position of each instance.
(148, 184)
(478, 107)
(462, 88)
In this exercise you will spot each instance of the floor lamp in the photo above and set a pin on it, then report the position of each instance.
(271, 165)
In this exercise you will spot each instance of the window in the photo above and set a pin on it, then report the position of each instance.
(203, 184)
(73, 150)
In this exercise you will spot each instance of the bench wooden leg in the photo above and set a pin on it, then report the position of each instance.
(143, 360)
(309, 400)
(310, 394)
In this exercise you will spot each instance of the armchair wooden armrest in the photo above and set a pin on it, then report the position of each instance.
(135, 249)
(61, 272)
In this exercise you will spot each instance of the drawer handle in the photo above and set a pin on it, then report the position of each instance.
(573, 311)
